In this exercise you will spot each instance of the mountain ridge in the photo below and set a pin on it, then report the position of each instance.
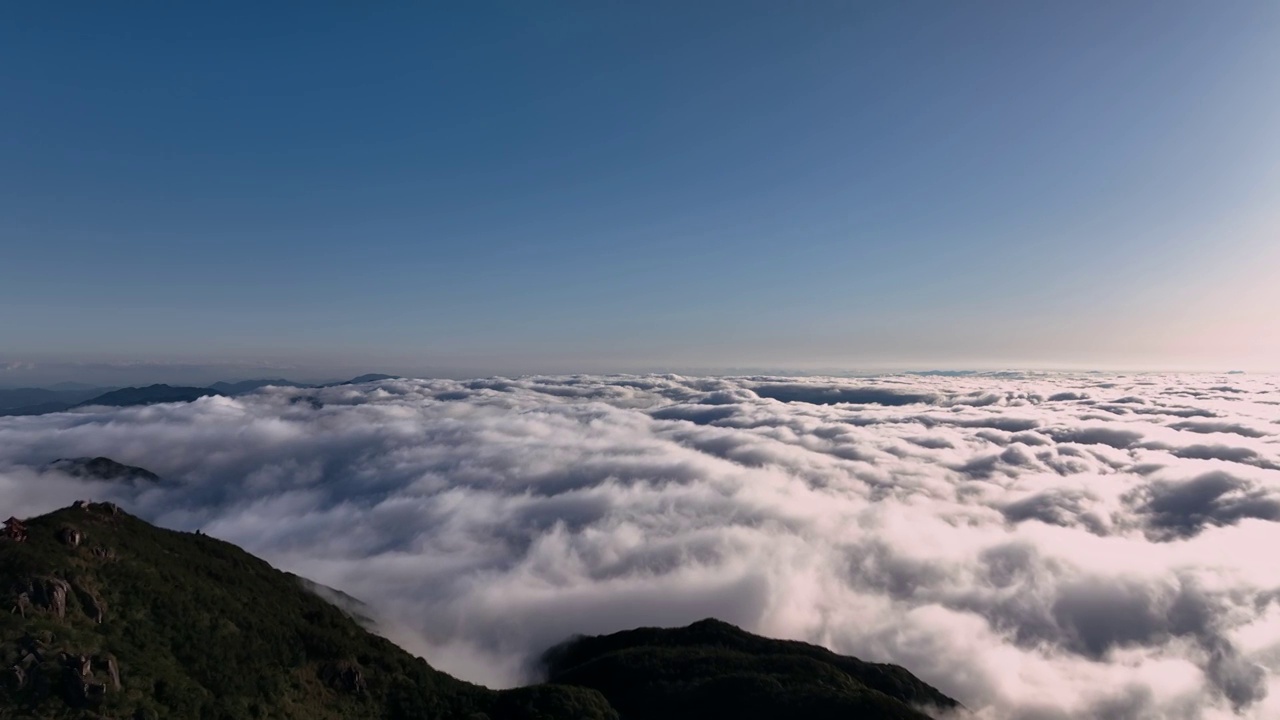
(149, 395)
(102, 468)
(116, 618)
(42, 401)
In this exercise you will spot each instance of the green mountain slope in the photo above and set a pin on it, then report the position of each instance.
(713, 669)
(114, 618)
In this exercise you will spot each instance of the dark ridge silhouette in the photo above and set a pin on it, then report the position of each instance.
(370, 377)
(829, 395)
(38, 401)
(713, 669)
(18, 397)
(23, 397)
(102, 468)
(943, 373)
(41, 409)
(149, 395)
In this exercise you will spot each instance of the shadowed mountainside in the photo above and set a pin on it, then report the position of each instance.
(149, 395)
(713, 669)
(40, 401)
(31, 397)
(115, 618)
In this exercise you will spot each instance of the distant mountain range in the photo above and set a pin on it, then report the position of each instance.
(27, 398)
(65, 396)
(149, 395)
(115, 618)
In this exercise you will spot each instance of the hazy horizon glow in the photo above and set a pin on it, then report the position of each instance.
(473, 190)
(19, 374)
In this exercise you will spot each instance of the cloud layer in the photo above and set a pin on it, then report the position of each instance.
(1041, 547)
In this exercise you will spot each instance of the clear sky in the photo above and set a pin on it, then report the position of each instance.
(590, 186)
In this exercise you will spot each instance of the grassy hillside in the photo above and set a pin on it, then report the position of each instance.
(713, 669)
(114, 618)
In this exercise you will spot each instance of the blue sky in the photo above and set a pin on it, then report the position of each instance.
(523, 187)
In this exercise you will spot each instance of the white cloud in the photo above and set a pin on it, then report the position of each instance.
(1039, 546)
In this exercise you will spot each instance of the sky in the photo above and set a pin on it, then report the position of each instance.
(480, 188)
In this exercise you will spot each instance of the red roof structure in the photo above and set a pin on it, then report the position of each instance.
(14, 530)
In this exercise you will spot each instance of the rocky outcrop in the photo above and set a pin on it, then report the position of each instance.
(45, 595)
(16, 677)
(81, 664)
(81, 685)
(107, 664)
(70, 536)
(93, 606)
(79, 679)
(344, 677)
(79, 690)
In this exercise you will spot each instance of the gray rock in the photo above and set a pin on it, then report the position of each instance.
(16, 678)
(69, 536)
(344, 677)
(81, 664)
(48, 594)
(94, 693)
(94, 606)
(107, 664)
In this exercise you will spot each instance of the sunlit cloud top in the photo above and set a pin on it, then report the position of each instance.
(1064, 547)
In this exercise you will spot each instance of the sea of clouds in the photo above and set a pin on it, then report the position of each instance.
(1040, 547)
